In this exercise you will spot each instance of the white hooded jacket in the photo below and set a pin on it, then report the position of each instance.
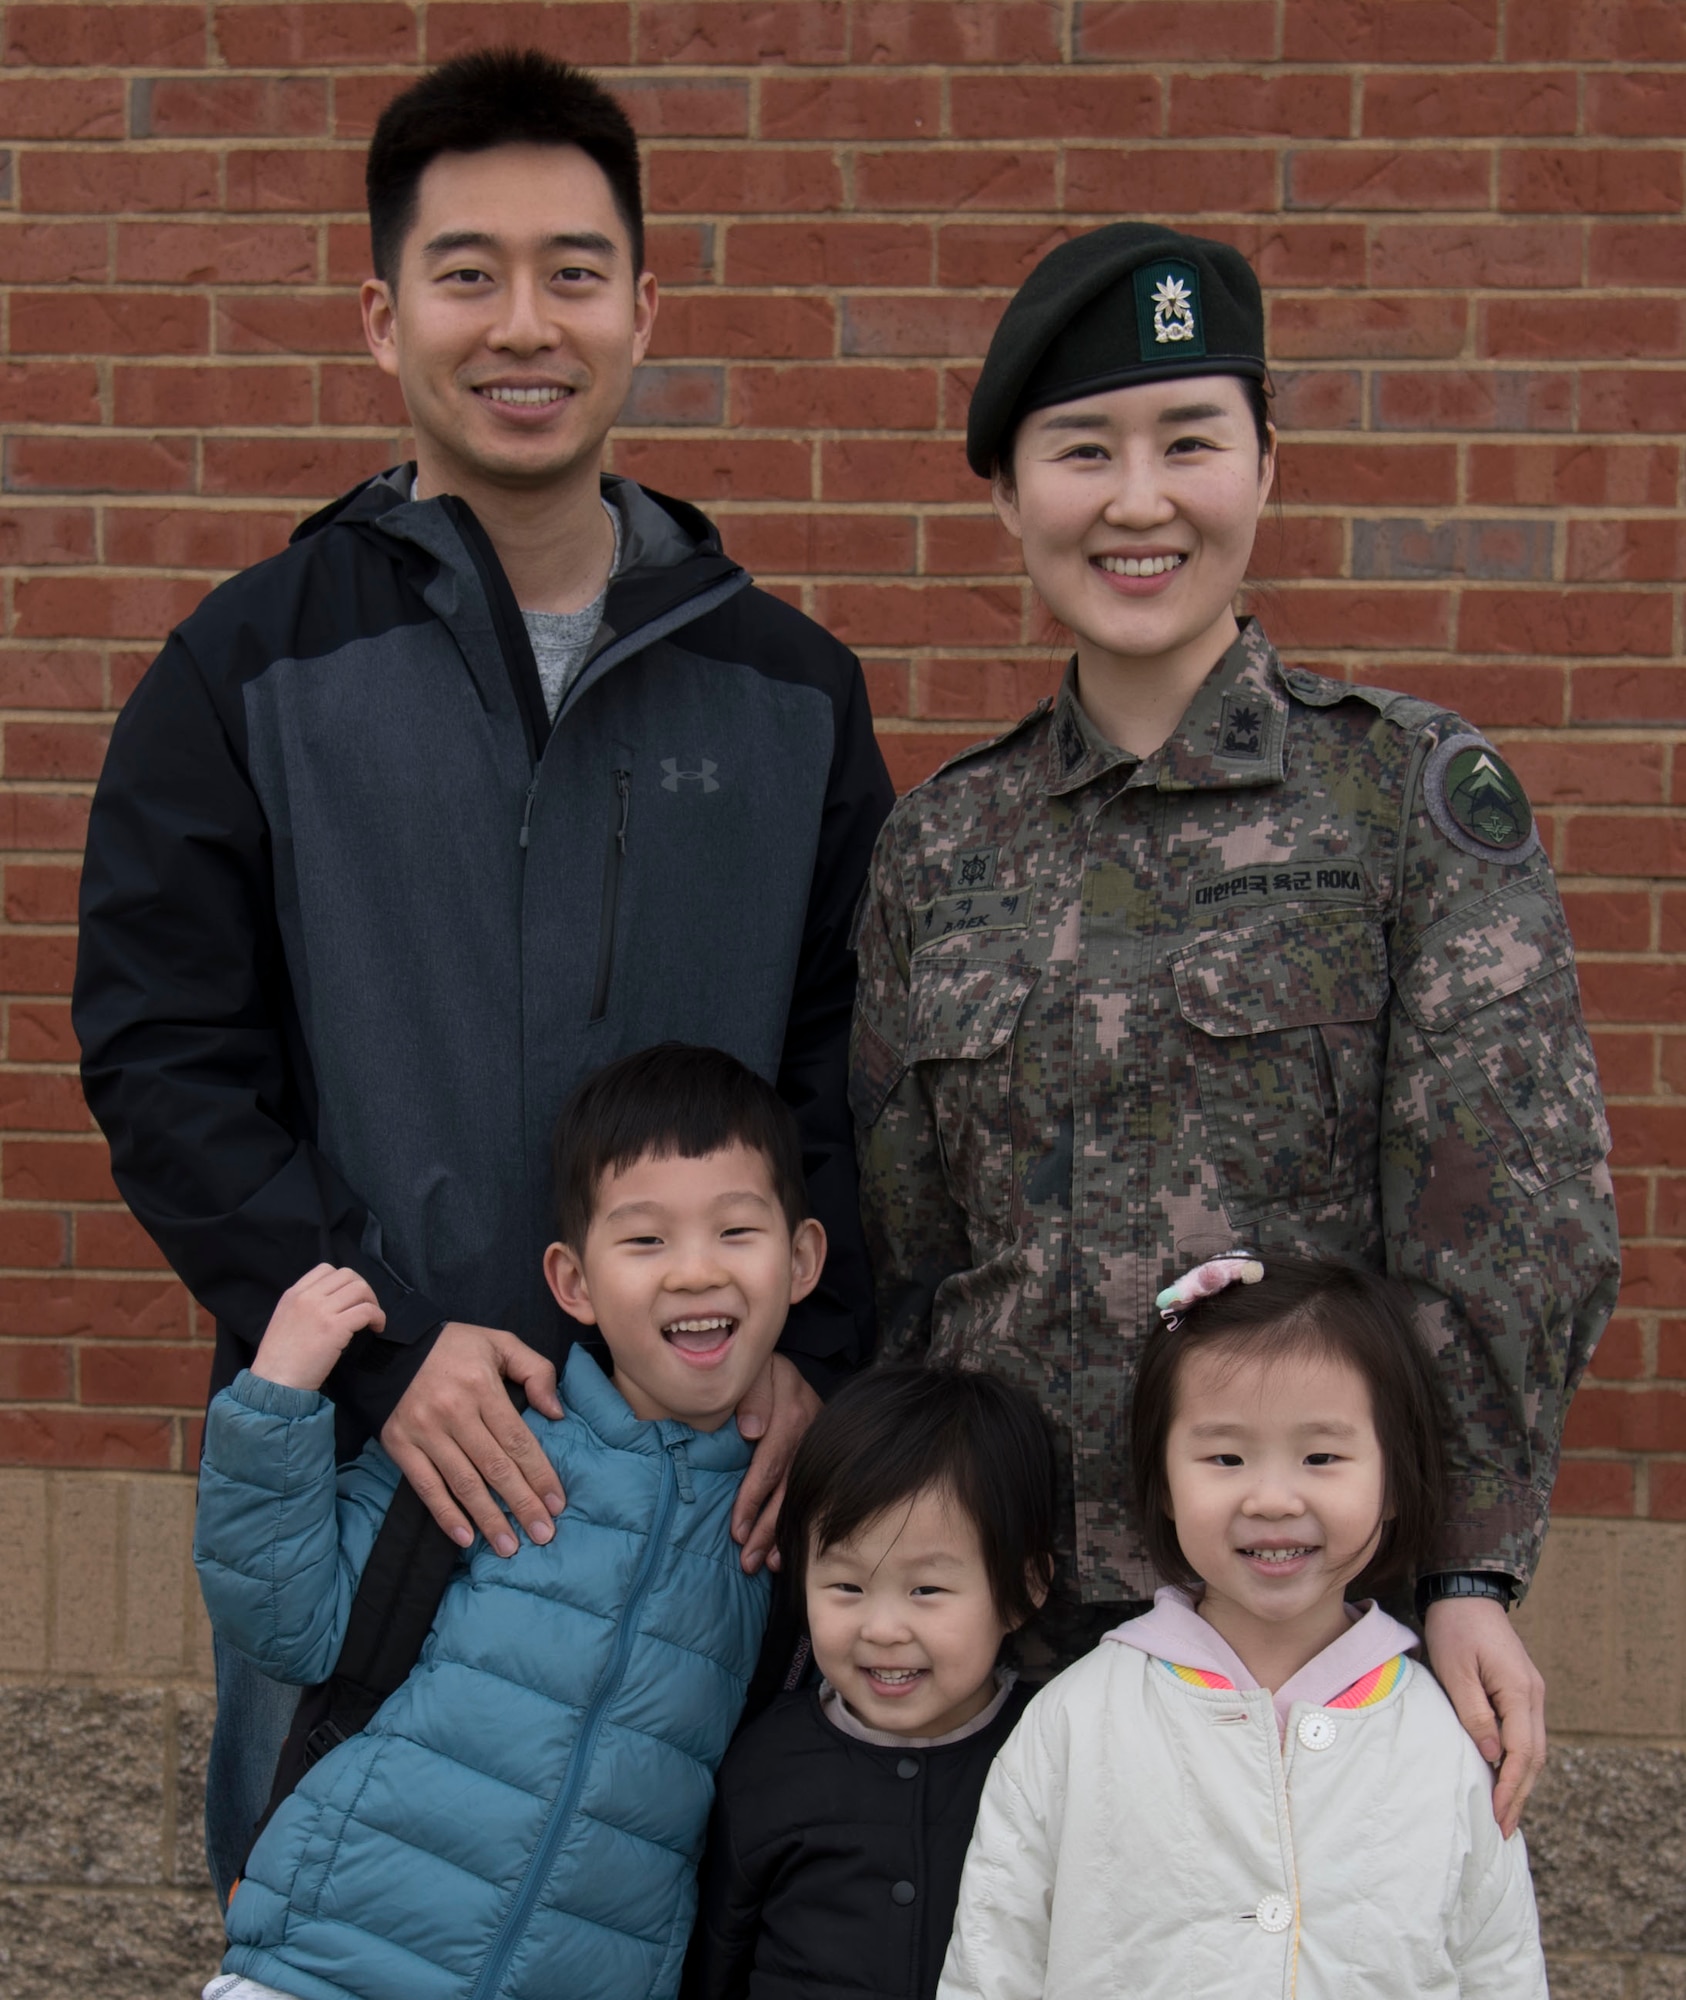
(1145, 1836)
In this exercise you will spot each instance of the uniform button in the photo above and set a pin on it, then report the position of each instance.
(902, 1892)
(1317, 1731)
(908, 1768)
(1275, 1913)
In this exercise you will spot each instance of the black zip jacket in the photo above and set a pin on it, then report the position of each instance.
(832, 1869)
(356, 917)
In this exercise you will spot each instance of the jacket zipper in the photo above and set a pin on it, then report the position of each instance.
(550, 1834)
(611, 900)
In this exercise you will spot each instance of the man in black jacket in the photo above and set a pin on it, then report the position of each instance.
(501, 770)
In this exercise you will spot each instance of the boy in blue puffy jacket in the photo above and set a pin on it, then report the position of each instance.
(523, 1817)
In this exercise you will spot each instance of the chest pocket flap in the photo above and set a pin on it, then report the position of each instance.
(1329, 965)
(962, 1009)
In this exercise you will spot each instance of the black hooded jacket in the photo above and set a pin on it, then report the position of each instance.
(356, 917)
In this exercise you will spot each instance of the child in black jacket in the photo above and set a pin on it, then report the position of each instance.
(918, 1532)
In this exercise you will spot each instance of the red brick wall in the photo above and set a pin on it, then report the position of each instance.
(1469, 217)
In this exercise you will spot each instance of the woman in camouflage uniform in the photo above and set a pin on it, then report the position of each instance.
(1210, 951)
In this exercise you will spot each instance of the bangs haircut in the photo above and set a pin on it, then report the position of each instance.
(495, 97)
(1305, 1308)
(896, 1432)
(670, 1101)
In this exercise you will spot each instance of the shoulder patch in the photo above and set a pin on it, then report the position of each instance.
(1477, 801)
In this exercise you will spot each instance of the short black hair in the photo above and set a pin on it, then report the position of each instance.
(495, 97)
(901, 1430)
(672, 1100)
(1319, 1307)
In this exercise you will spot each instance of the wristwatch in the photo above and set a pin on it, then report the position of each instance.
(1490, 1583)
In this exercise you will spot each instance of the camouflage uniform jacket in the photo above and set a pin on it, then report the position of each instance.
(1270, 985)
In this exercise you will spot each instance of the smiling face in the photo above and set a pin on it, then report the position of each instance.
(516, 320)
(688, 1270)
(903, 1621)
(1137, 511)
(1277, 1487)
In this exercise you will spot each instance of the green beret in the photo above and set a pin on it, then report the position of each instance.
(1129, 303)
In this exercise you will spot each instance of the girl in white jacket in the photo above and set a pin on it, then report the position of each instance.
(1251, 1790)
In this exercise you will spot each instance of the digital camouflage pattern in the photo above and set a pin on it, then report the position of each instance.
(1257, 990)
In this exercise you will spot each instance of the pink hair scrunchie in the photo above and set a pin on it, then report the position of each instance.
(1213, 1276)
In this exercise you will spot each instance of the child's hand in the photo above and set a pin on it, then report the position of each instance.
(313, 1325)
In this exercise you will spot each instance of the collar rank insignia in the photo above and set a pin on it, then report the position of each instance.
(1241, 727)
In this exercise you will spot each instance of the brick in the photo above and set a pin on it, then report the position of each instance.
(1673, 1066)
(949, 32)
(1645, 105)
(1386, 326)
(896, 470)
(1591, 1487)
(585, 31)
(69, 1306)
(850, 107)
(1629, 255)
(119, 181)
(1476, 104)
(1476, 399)
(921, 615)
(52, 1170)
(1629, 694)
(38, 677)
(1623, 844)
(1067, 106)
(1491, 256)
(689, 107)
(1596, 31)
(1627, 1420)
(282, 179)
(747, 326)
(72, 37)
(1566, 622)
(216, 538)
(953, 179)
(969, 545)
(1633, 399)
(49, 253)
(911, 323)
(150, 398)
(1318, 399)
(1595, 773)
(42, 1101)
(1667, 1503)
(720, 468)
(175, 1376)
(1586, 181)
(834, 398)
(742, 181)
(1298, 546)
(112, 1240)
(1671, 1334)
(742, 31)
(1409, 547)
(52, 108)
(228, 107)
(680, 253)
(356, 392)
(1323, 254)
(1626, 551)
(1370, 617)
(33, 1372)
(1585, 328)
(85, 1438)
(1373, 177)
(39, 894)
(1370, 474)
(999, 254)
(110, 606)
(54, 749)
(50, 392)
(48, 464)
(302, 467)
(1241, 104)
(1620, 1354)
(828, 253)
(291, 325)
(55, 820)
(822, 544)
(1630, 991)
(360, 100)
(40, 1031)
(1169, 180)
(886, 686)
(208, 253)
(32, 1238)
(108, 323)
(674, 395)
(1192, 31)
(317, 33)
(1574, 475)
(988, 690)
(1632, 1192)
(912, 755)
(46, 534)
(1626, 1063)
(1390, 31)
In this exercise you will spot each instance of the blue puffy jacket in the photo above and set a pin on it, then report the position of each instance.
(523, 1818)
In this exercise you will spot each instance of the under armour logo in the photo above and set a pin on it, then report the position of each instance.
(703, 776)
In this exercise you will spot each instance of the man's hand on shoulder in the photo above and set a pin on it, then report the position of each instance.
(775, 1413)
(459, 1440)
(1497, 1691)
